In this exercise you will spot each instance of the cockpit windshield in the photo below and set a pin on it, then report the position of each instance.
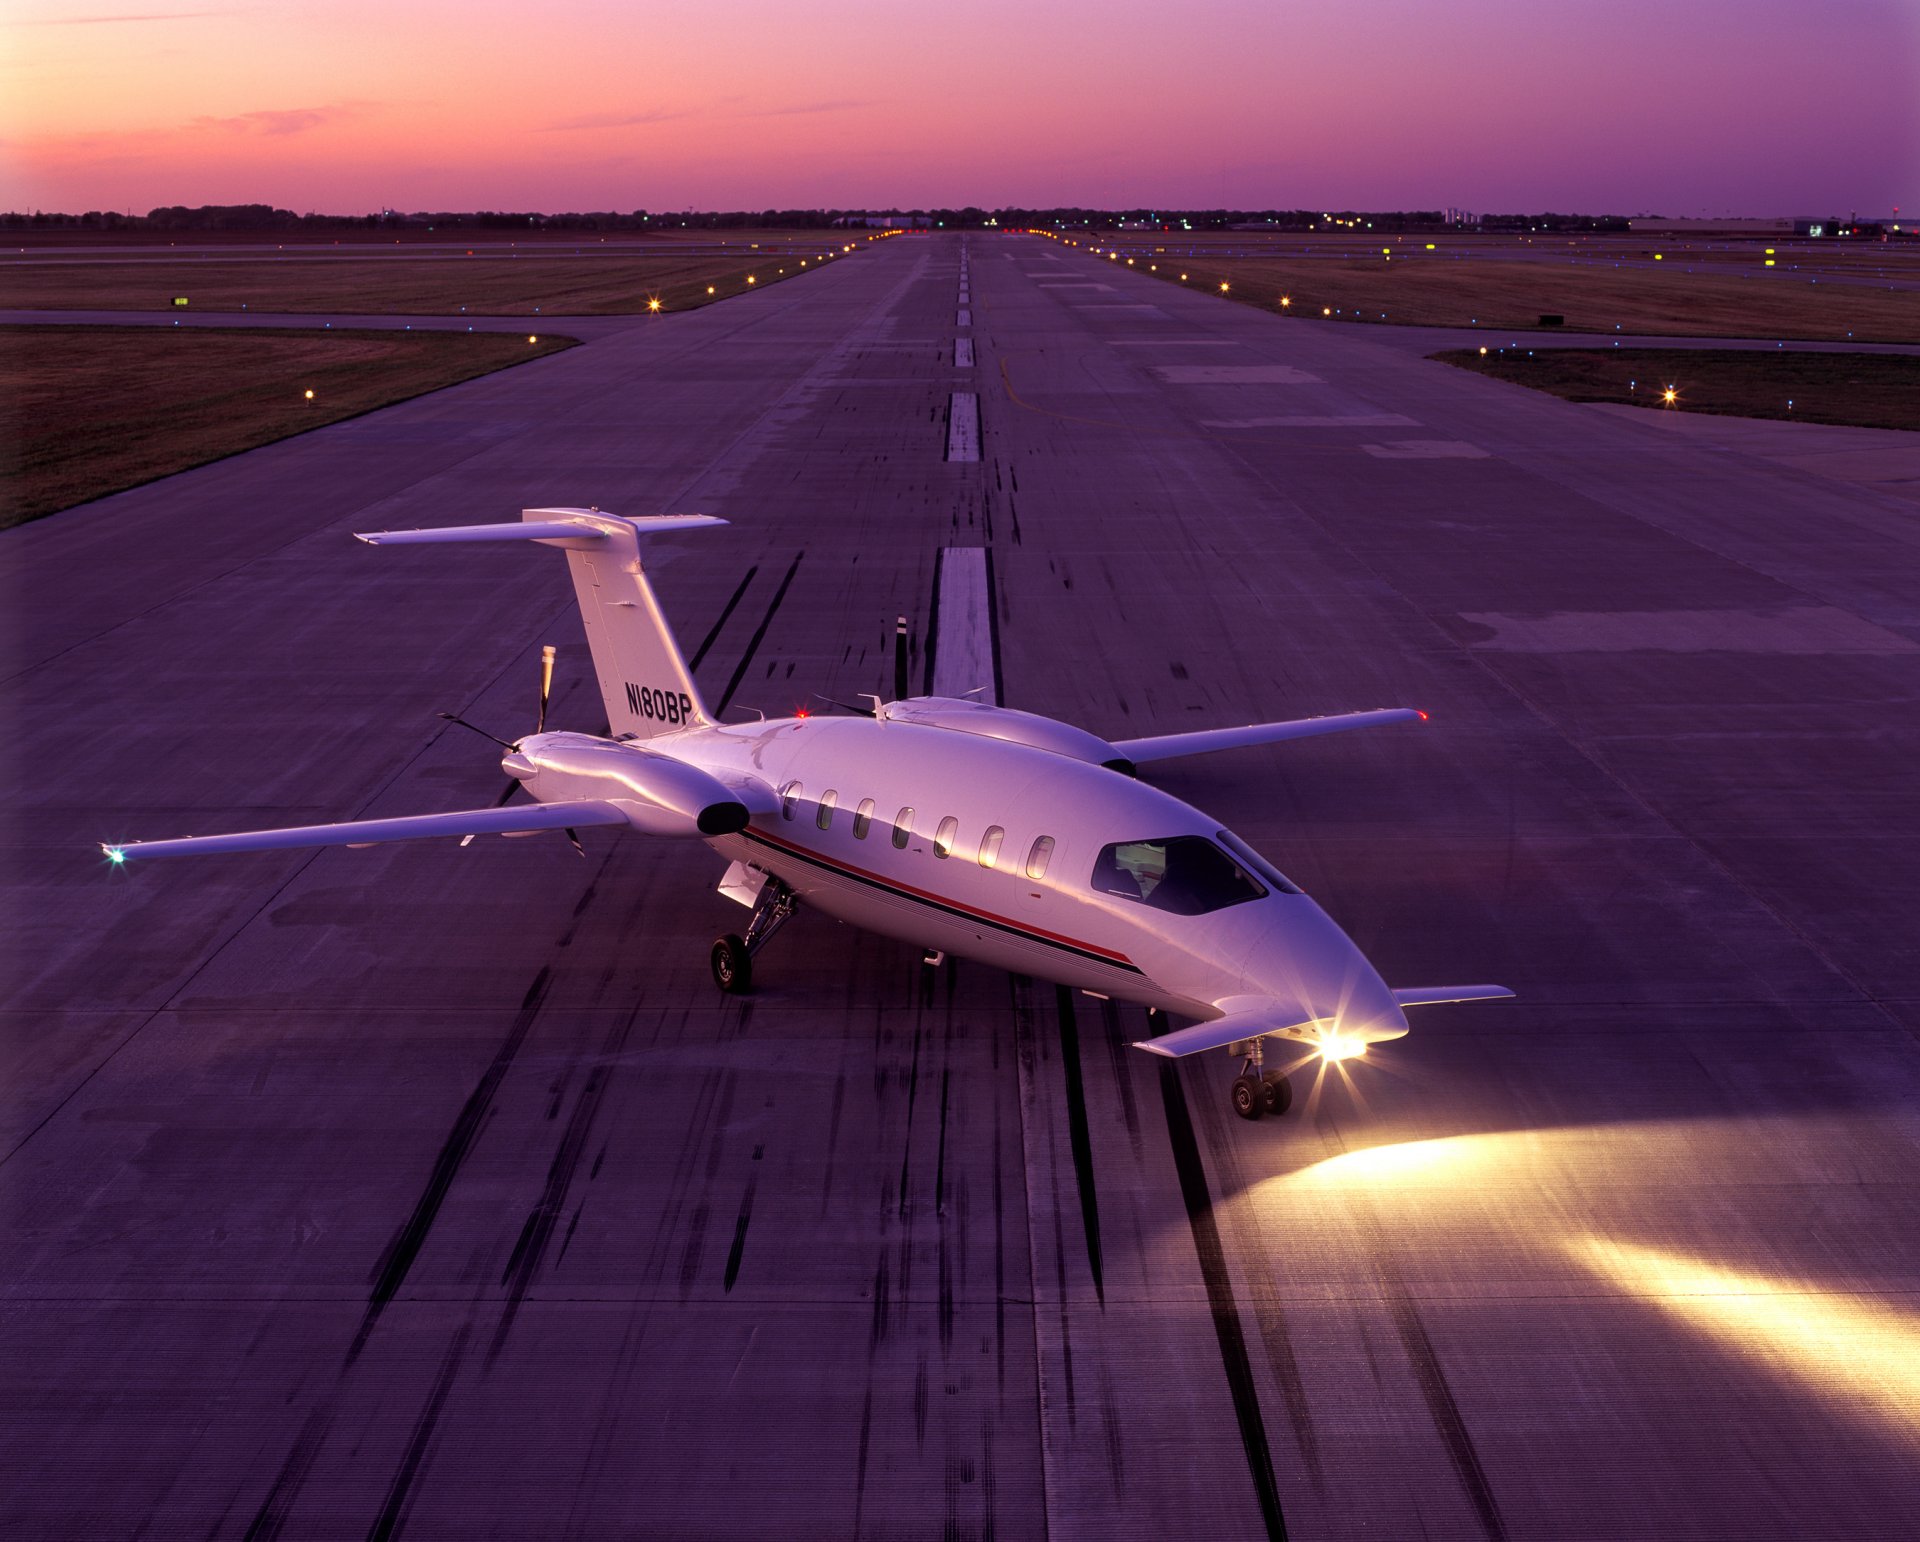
(1186, 875)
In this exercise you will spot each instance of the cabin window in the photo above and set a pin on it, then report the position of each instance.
(862, 818)
(1038, 856)
(1185, 875)
(903, 828)
(990, 845)
(789, 799)
(944, 836)
(829, 800)
(1259, 864)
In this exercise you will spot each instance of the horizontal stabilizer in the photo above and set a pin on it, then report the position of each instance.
(512, 820)
(1433, 995)
(567, 525)
(1208, 740)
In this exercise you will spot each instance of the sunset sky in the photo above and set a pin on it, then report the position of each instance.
(344, 106)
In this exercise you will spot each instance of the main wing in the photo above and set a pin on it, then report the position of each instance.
(1207, 740)
(514, 820)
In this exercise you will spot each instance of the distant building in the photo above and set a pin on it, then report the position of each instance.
(886, 221)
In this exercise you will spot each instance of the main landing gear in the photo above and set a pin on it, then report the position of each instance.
(1257, 1092)
(732, 956)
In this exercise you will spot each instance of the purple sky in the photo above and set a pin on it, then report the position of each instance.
(1760, 107)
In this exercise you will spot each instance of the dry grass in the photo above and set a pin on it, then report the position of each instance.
(495, 280)
(1866, 390)
(1597, 285)
(91, 410)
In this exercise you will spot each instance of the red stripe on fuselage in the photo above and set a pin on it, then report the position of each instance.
(945, 901)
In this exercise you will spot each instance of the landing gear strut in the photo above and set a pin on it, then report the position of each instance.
(732, 956)
(1257, 1092)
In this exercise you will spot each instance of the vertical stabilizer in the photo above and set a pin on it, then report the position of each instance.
(644, 679)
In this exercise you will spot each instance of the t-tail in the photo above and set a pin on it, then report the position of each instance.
(644, 679)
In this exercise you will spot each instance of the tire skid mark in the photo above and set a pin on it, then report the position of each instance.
(1224, 1310)
(726, 615)
(759, 636)
(1080, 1137)
(398, 1258)
(393, 1513)
(740, 1224)
(1122, 1066)
(271, 1517)
(536, 1234)
(1269, 1315)
(1429, 1374)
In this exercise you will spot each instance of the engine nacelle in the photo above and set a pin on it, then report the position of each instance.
(1029, 728)
(660, 795)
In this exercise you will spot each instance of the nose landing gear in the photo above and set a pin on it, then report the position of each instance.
(1257, 1092)
(732, 957)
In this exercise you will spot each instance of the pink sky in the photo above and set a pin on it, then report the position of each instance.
(344, 106)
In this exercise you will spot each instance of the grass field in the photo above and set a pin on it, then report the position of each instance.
(497, 279)
(1609, 285)
(86, 411)
(1867, 390)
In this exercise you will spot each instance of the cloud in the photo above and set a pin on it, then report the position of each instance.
(276, 121)
(101, 21)
(807, 107)
(607, 120)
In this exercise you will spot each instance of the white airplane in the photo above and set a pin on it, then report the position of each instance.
(989, 833)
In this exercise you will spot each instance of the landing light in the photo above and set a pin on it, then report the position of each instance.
(1339, 1046)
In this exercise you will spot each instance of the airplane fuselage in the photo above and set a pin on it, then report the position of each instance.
(1010, 855)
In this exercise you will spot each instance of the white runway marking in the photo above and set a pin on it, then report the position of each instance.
(963, 643)
(1074, 283)
(964, 319)
(1174, 342)
(1798, 629)
(1426, 449)
(1309, 420)
(1234, 374)
(963, 353)
(1144, 312)
(963, 426)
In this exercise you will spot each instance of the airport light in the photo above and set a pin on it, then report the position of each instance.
(1326, 310)
(1285, 301)
(709, 289)
(653, 303)
(309, 393)
(1483, 350)
(531, 338)
(1223, 286)
(1669, 396)
(749, 278)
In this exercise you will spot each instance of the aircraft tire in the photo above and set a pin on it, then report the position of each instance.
(732, 965)
(1277, 1092)
(1249, 1097)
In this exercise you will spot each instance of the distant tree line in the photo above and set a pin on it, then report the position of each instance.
(265, 219)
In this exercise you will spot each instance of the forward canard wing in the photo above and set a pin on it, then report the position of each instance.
(1289, 1021)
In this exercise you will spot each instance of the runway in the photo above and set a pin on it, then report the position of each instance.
(436, 1192)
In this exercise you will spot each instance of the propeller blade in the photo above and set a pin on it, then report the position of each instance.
(546, 687)
(480, 731)
(499, 802)
(845, 706)
(575, 838)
